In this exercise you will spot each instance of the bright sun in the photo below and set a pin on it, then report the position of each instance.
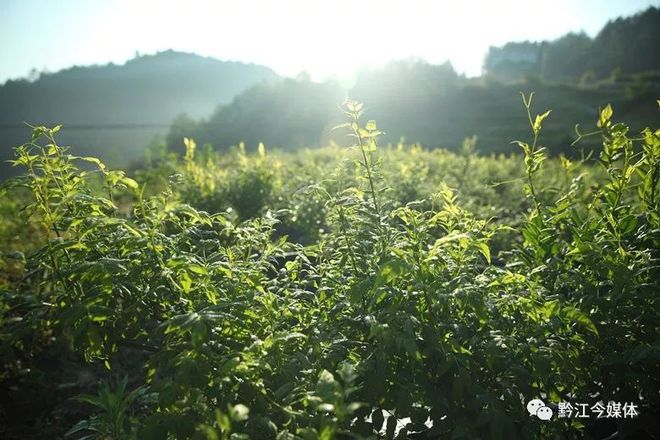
(322, 37)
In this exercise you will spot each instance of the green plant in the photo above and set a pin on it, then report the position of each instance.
(422, 294)
(111, 420)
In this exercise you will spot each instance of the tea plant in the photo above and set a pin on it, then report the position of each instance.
(395, 292)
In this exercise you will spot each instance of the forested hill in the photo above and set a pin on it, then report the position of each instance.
(431, 104)
(115, 111)
(149, 89)
(625, 45)
(421, 103)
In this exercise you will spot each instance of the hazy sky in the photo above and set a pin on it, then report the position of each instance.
(321, 37)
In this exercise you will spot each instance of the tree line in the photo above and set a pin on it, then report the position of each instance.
(433, 105)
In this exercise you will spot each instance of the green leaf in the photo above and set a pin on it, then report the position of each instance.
(391, 270)
(196, 268)
(539, 121)
(377, 419)
(185, 281)
(605, 116)
(579, 317)
(440, 242)
(485, 250)
(457, 348)
(390, 427)
(129, 182)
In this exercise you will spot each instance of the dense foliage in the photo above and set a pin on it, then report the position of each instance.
(396, 292)
(623, 45)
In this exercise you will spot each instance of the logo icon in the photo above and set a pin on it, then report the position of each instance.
(536, 407)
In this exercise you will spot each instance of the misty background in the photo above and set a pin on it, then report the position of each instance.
(122, 78)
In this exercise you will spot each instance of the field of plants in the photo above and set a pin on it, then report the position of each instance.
(375, 291)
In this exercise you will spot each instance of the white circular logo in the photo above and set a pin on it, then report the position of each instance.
(544, 413)
(536, 407)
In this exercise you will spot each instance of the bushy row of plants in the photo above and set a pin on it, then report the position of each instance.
(295, 296)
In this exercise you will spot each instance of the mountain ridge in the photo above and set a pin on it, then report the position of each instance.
(115, 111)
(164, 85)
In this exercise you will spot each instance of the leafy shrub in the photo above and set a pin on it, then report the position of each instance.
(391, 320)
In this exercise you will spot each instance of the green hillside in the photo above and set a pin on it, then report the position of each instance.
(115, 110)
